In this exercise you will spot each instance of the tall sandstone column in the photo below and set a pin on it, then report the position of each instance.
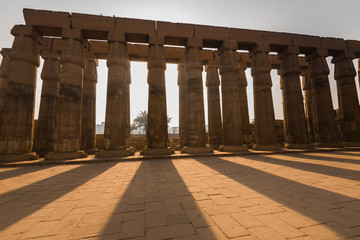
(326, 131)
(67, 138)
(117, 118)
(157, 129)
(214, 112)
(232, 125)
(88, 117)
(265, 128)
(196, 136)
(309, 108)
(17, 129)
(244, 109)
(44, 135)
(181, 81)
(348, 100)
(295, 127)
(4, 80)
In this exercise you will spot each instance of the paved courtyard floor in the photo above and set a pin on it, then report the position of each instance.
(278, 196)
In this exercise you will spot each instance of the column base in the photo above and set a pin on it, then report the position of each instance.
(18, 157)
(260, 147)
(328, 145)
(225, 148)
(65, 155)
(91, 151)
(298, 146)
(113, 153)
(157, 151)
(351, 144)
(197, 150)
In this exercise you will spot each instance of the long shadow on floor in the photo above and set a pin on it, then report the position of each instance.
(156, 197)
(336, 158)
(22, 202)
(21, 171)
(304, 199)
(310, 167)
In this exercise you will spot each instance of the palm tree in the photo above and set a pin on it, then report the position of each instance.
(140, 122)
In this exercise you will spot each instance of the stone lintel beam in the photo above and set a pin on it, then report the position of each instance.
(49, 23)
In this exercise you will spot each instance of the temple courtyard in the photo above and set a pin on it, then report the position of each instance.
(305, 195)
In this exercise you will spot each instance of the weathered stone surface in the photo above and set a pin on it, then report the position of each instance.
(4, 79)
(347, 98)
(157, 151)
(157, 131)
(88, 117)
(68, 110)
(295, 127)
(194, 96)
(232, 125)
(265, 128)
(109, 153)
(214, 111)
(117, 119)
(44, 134)
(17, 128)
(243, 103)
(182, 83)
(65, 155)
(326, 132)
(309, 108)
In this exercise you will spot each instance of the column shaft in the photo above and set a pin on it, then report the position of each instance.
(326, 131)
(44, 136)
(309, 108)
(265, 128)
(88, 121)
(348, 100)
(157, 132)
(4, 80)
(17, 129)
(194, 97)
(295, 127)
(214, 111)
(117, 119)
(67, 140)
(244, 109)
(181, 81)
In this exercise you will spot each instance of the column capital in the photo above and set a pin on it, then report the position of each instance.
(157, 40)
(49, 54)
(194, 42)
(5, 52)
(229, 45)
(90, 56)
(74, 33)
(259, 47)
(343, 55)
(317, 52)
(116, 37)
(288, 50)
(27, 31)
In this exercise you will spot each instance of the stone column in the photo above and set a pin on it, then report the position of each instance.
(326, 131)
(117, 121)
(214, 112)
(17, 129)
(265, 128)
(181, 81)
(4, 79)
(196, 136)
(157, 130)
(67, 138)
(243, 103)
(348, 100)
(232, 126)
(88, 120)
(309, 108)
(44, 135)
(295, 127)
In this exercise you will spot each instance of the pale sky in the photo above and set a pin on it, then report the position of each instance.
(327, 18)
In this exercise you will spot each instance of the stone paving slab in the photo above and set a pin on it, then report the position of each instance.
(306, 195)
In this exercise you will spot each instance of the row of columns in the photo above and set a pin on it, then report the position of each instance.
(67, 111)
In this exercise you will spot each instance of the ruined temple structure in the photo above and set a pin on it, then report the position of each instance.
(72, 43)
